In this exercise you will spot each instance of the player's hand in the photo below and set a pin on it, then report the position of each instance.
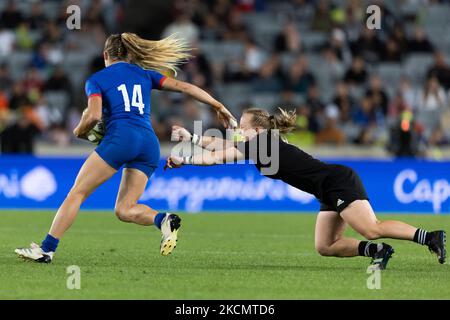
(180, 134)
(173, 162)
(227, 119)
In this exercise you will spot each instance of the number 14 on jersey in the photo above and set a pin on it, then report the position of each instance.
(136, 100)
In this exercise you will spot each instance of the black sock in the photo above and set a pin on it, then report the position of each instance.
(368, 248)
(423, 237)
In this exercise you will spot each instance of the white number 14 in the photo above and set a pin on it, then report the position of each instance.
(136, 100)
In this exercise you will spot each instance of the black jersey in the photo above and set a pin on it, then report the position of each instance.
(330, 184)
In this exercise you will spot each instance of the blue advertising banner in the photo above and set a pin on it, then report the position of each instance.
(403, 186)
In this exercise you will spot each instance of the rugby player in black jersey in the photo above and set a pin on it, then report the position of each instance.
(338, 188)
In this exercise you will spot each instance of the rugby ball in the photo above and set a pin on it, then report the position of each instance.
(96, 134)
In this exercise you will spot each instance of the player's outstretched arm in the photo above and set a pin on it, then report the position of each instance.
(205, 142)
(90, 117)
(210, 158)
(228, 120)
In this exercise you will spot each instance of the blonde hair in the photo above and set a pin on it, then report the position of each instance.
(283, 120)
(159, 55)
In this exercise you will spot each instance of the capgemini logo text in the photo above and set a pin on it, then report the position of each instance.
(408, 189)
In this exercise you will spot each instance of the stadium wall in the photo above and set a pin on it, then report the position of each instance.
(400, 186)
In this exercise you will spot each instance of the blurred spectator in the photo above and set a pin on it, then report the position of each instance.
(357, 73)
(408, 92)
(53, 39)
(344, 102)
(405, 136)
(7, 40)
(440, 69)
(89, 40)
(368, 46)
(94, 14)
(253, 57)
(24, 41)
(58, 81)
(5, 78)
(433, 96)
(398, 105)
(438, 138)
(3, 105)
(419, 43)
(377, 94)
(18, 97)
(43, 112)
(250, 5)
(337, 15)
(331, 134)
(289, 40)
(37, 19)
(392, 51)
(322, 17)
(235, 28)
(33, 83)
(198, 70)
(39, 58)
(338, 44)
(334, 66)
(11, 17)
(211, 29)
(249, 66)
(270, 75)
(399, 37)
(287, 101)
(354, 12)
(364, 115)
(20, 135)
(184, 27)
(365, 137)
(315, 107)
(299, 78)
(191, 112)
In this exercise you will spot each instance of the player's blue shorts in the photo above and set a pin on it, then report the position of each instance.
(131, 146)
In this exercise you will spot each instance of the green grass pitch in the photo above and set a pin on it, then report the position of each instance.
(219, 256)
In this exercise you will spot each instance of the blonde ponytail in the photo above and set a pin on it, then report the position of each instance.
(159, 55)
(283, 121)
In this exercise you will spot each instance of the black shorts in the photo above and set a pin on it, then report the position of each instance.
(340, 188)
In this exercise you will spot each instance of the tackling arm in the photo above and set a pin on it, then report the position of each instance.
(209, 158)
(205, 142)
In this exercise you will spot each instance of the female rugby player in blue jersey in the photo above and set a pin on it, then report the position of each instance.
(119, 96)
(338, 188)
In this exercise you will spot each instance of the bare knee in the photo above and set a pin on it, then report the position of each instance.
(123, 213)
(372, 233)
(324, 250)
(77, 195)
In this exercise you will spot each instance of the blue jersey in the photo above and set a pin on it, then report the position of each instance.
(129, 140)
(125, 90)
